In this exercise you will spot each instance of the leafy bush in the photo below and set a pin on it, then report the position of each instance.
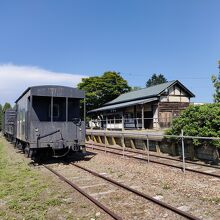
(203, 120)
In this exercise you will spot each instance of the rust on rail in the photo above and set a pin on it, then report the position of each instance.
(96, 202)
(143, 195)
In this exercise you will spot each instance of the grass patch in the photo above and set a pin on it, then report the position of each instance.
(166, 186)
(24, 193)
(214, 200)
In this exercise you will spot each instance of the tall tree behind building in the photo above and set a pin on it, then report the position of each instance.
(216, 83)
(1, 117)
(6, 106)
(102, 89)
(155, 80)
(2, 110)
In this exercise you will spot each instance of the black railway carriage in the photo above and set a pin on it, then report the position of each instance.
(9, 124)
(48, 120)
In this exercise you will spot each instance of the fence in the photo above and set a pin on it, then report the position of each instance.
(129, 123)
(182, 139)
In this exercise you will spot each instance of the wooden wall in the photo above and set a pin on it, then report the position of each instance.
(169, 110)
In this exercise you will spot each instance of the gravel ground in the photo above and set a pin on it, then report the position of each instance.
(195, 193)
(125, 204)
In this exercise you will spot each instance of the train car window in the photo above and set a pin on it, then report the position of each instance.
(59, 109)
(73, 109)
(41, 107)
(56, 111)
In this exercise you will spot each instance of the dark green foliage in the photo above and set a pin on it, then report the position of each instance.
(135, 88)
(6, 106)
(1, 117)
(216, 83)
(155, 80)
(102, 89)
(2, 110)
(201, 120)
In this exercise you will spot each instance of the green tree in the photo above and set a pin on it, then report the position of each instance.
(155, 80)
(1, 113)
(2, 110)
(135, 88)
(102, 89)
(216, 83)
(6, 106)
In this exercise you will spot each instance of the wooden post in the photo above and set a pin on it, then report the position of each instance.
(100, 140)
(95, 140)
(135, 117)
(144, 145)
(106, 139)
(142, 116)
(88, 138)
(106, 122)
(122, 121)
(113, 141)
(148, 150)
(157, 147)
(191, 150)
(132, 144)
(172, 149)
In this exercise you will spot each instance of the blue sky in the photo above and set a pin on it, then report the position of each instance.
(179, 38)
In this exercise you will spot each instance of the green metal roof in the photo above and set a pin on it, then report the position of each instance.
(124, 104)
(152, 91)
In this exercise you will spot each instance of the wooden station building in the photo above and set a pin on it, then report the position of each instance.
(149, 108)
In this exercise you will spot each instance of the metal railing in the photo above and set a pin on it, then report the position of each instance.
(148, 136)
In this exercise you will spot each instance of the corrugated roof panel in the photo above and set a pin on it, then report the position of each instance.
(146, 92)
(125, 104)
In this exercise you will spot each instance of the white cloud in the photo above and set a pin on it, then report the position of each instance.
(15, 79)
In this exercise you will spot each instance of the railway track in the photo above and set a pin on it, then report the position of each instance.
(118, 185)
(80, 190)
(214, 171)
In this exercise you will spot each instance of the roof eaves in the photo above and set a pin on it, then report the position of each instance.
(129, 100)
(141, 101)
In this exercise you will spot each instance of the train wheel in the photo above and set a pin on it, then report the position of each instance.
(16, 144)
(26, 150)
(84, 150)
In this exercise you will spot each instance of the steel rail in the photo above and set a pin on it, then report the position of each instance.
(96, 202)
(157, 162)
(143, 195)
(152, 155)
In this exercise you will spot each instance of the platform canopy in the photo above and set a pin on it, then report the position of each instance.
(125, 104)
